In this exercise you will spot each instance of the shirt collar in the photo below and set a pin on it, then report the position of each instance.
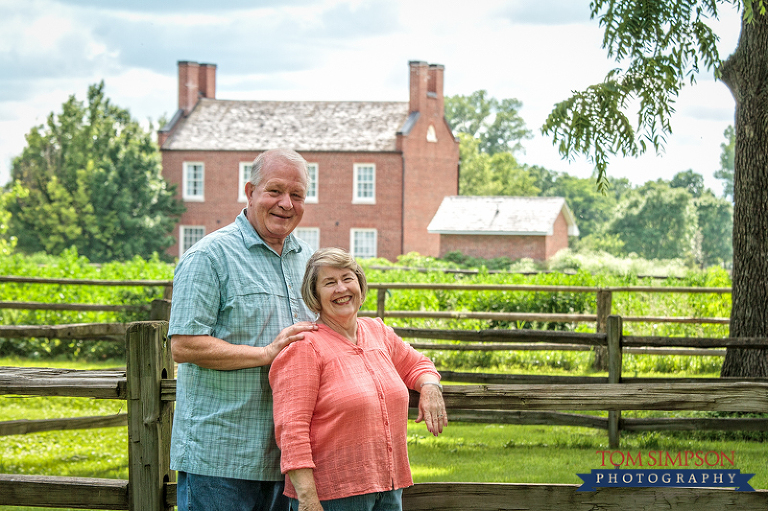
(252, 238)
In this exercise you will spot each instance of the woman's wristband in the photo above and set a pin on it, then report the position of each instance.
(432, 383)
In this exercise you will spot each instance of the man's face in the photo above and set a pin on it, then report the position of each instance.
(276, 204)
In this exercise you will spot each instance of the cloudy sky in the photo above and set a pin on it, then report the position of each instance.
(537, 52)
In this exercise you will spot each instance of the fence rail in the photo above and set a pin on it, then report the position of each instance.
(604, 299)
(167, 285)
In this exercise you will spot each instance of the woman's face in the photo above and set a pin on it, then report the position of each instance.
(339, 293)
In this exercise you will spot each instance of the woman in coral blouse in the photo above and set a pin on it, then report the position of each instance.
(341, 398)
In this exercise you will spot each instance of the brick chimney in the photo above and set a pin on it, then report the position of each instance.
(426, 87)
(195, 81)
(418, 85)
(435, 85)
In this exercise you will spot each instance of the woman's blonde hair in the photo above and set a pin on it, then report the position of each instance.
(335, 258)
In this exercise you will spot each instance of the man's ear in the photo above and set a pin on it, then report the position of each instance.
(248, 189)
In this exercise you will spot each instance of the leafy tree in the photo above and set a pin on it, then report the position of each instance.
(592, 208)
(90, 178)
(715, 219)
(543, 178)
(726, 161)
(6, 243)
(690, 181)
(656, 221)
(496, 124)
(497, 174)
(663, 43)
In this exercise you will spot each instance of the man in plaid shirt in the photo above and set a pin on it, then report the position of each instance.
(236, 303)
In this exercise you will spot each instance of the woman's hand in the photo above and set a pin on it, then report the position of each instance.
(310, 506)
(431, 407)
(303, 480)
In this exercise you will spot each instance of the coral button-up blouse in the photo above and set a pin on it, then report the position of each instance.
(342, 409)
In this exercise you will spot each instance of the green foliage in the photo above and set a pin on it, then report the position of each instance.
(90, 179)
(749, 5)
(662, 43)
(602, 263)
(495, 124)
(496, 174)
(715, 220)
(595, 243)
(71, 265)
(589, 270)
(464, 261)
(656, 221)
(591, 208)
(689, 181)
(490, 131)
(7, 243)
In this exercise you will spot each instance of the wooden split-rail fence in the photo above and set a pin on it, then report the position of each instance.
(148, 385)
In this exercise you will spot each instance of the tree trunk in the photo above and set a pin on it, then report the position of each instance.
(746, 75)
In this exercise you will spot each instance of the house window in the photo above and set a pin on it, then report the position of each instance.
(194, 180)
(309, 234)
(363, 243)
(188, 236)
(365, 183)
(244, 177)
(312, 184)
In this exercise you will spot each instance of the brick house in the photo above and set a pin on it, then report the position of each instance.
(378, 170)
(514, 227)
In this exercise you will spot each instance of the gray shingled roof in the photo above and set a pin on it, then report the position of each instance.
(531, 216)
(301, 125)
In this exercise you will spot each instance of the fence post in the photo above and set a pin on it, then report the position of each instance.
(160, 310)
(614, 332)
(148, 361)
(604, 303)
(381, 298)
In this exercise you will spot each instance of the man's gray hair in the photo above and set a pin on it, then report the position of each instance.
(288, 155)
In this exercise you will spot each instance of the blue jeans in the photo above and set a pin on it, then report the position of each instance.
(382, 501)
(204, 493)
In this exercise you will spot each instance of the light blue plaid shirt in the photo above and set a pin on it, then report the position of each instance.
(231, 285)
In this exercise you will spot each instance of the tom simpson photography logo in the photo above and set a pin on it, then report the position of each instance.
(711, 469)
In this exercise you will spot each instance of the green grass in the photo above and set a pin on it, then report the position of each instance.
(548, 454)
(77, 453)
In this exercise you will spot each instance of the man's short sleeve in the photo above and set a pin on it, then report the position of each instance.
(196, 296)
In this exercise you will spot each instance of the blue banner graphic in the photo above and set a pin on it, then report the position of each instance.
(613, 478)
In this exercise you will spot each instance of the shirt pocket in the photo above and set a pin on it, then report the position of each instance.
(249, 318)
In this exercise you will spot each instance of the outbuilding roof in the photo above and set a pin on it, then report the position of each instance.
(505, 216)
(301, 125)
